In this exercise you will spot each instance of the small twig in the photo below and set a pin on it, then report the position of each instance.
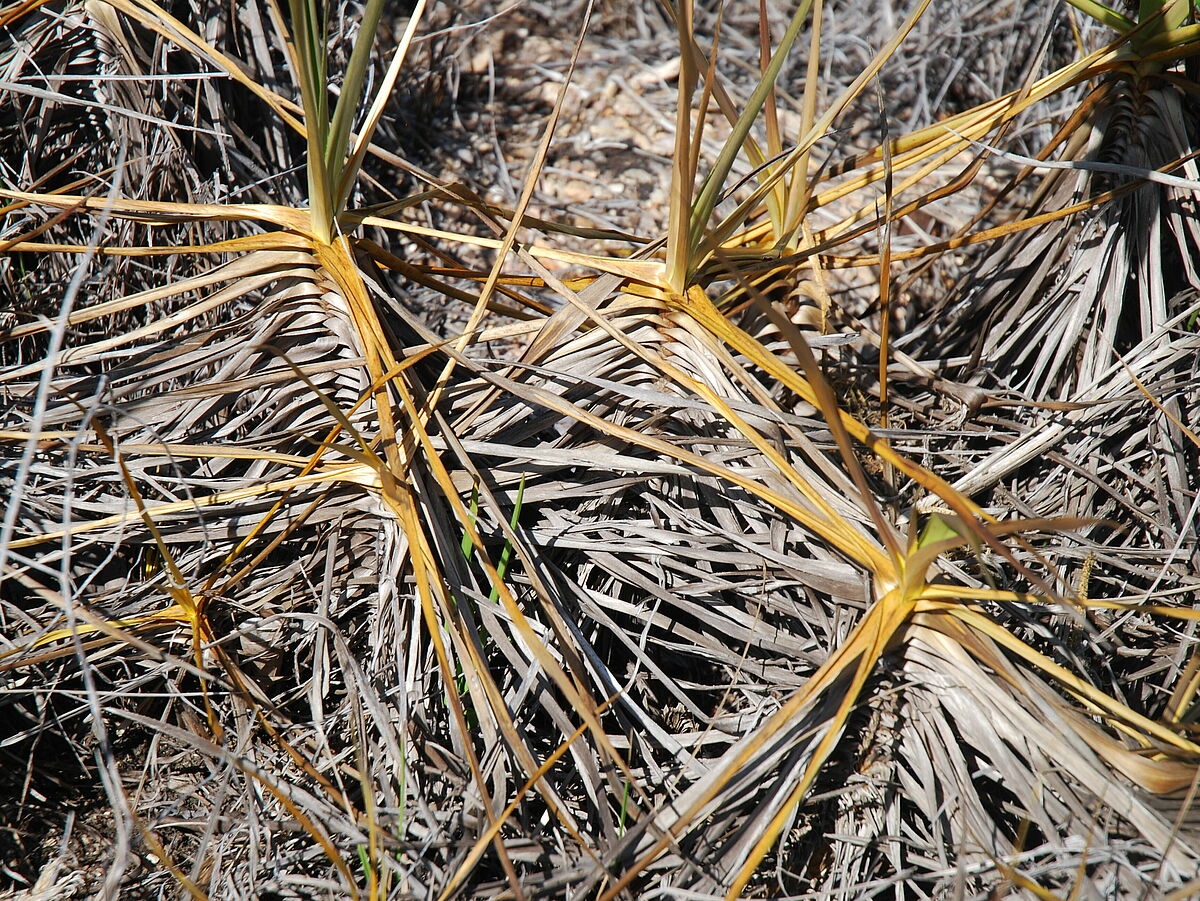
(1154, 175)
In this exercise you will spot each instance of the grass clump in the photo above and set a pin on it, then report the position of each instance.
(685, 587)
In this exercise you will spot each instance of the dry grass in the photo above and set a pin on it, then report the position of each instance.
(468, 534)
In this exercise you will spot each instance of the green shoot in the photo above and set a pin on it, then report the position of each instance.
(332, 165)
(506, 552)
